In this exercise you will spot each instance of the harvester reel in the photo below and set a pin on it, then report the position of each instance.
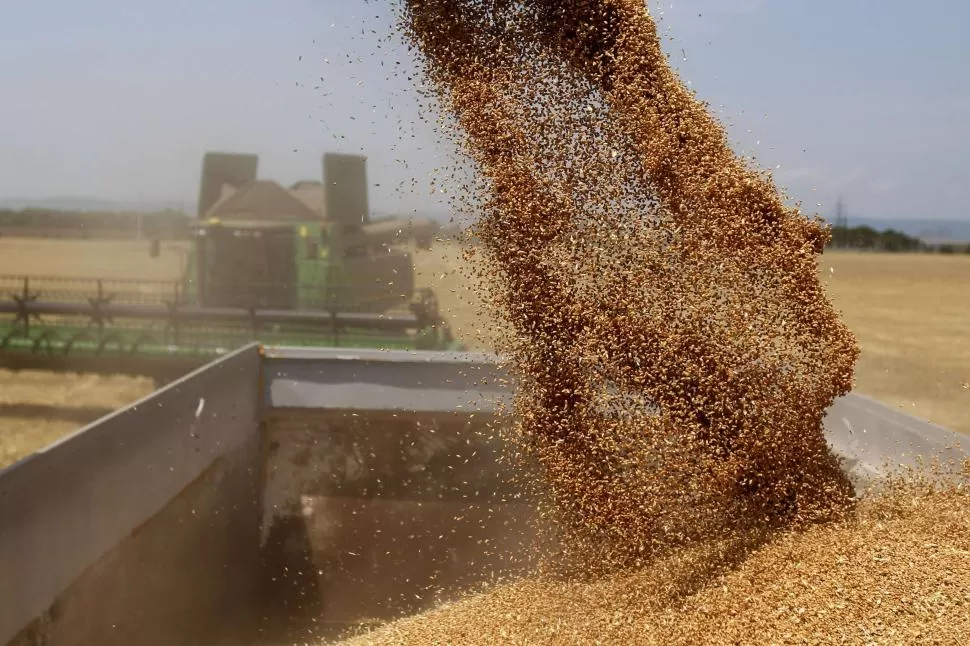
(24, 313)
(98, 317)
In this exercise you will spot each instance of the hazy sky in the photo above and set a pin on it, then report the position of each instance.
(868, 99)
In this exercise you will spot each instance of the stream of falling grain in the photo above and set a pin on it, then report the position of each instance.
(675, 355)
(675, 349)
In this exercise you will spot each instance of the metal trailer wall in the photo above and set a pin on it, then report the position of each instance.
(384, 472)
(141, 528)
(874, 439)
(337, 379)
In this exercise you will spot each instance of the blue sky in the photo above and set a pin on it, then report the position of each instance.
(868, 99)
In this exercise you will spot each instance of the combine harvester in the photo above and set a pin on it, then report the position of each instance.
(280, 492)
(303, 266)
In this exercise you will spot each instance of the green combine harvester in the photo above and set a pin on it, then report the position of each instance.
(301, 266)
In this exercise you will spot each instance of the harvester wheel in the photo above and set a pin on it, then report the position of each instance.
(254, 322)
(23, 300)
(425, 308)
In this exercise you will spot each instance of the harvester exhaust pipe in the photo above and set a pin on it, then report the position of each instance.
(345, 195)
(221, 169)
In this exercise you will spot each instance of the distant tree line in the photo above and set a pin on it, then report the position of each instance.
(174, 225)
(168, 225)
(867, 238)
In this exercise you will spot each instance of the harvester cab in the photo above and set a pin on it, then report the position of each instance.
(309, 247)
(247, 265)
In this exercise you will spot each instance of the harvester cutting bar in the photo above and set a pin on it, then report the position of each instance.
(159, 330)
(391, 322)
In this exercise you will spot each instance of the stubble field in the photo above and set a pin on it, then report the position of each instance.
(910, 313)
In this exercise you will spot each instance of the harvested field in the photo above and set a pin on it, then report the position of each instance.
(108, 259)
(38, 408)
(442, 268)
(910, 313)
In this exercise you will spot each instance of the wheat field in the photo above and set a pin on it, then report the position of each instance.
(910, 313)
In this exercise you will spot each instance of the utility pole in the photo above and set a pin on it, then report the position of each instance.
(841, 223)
